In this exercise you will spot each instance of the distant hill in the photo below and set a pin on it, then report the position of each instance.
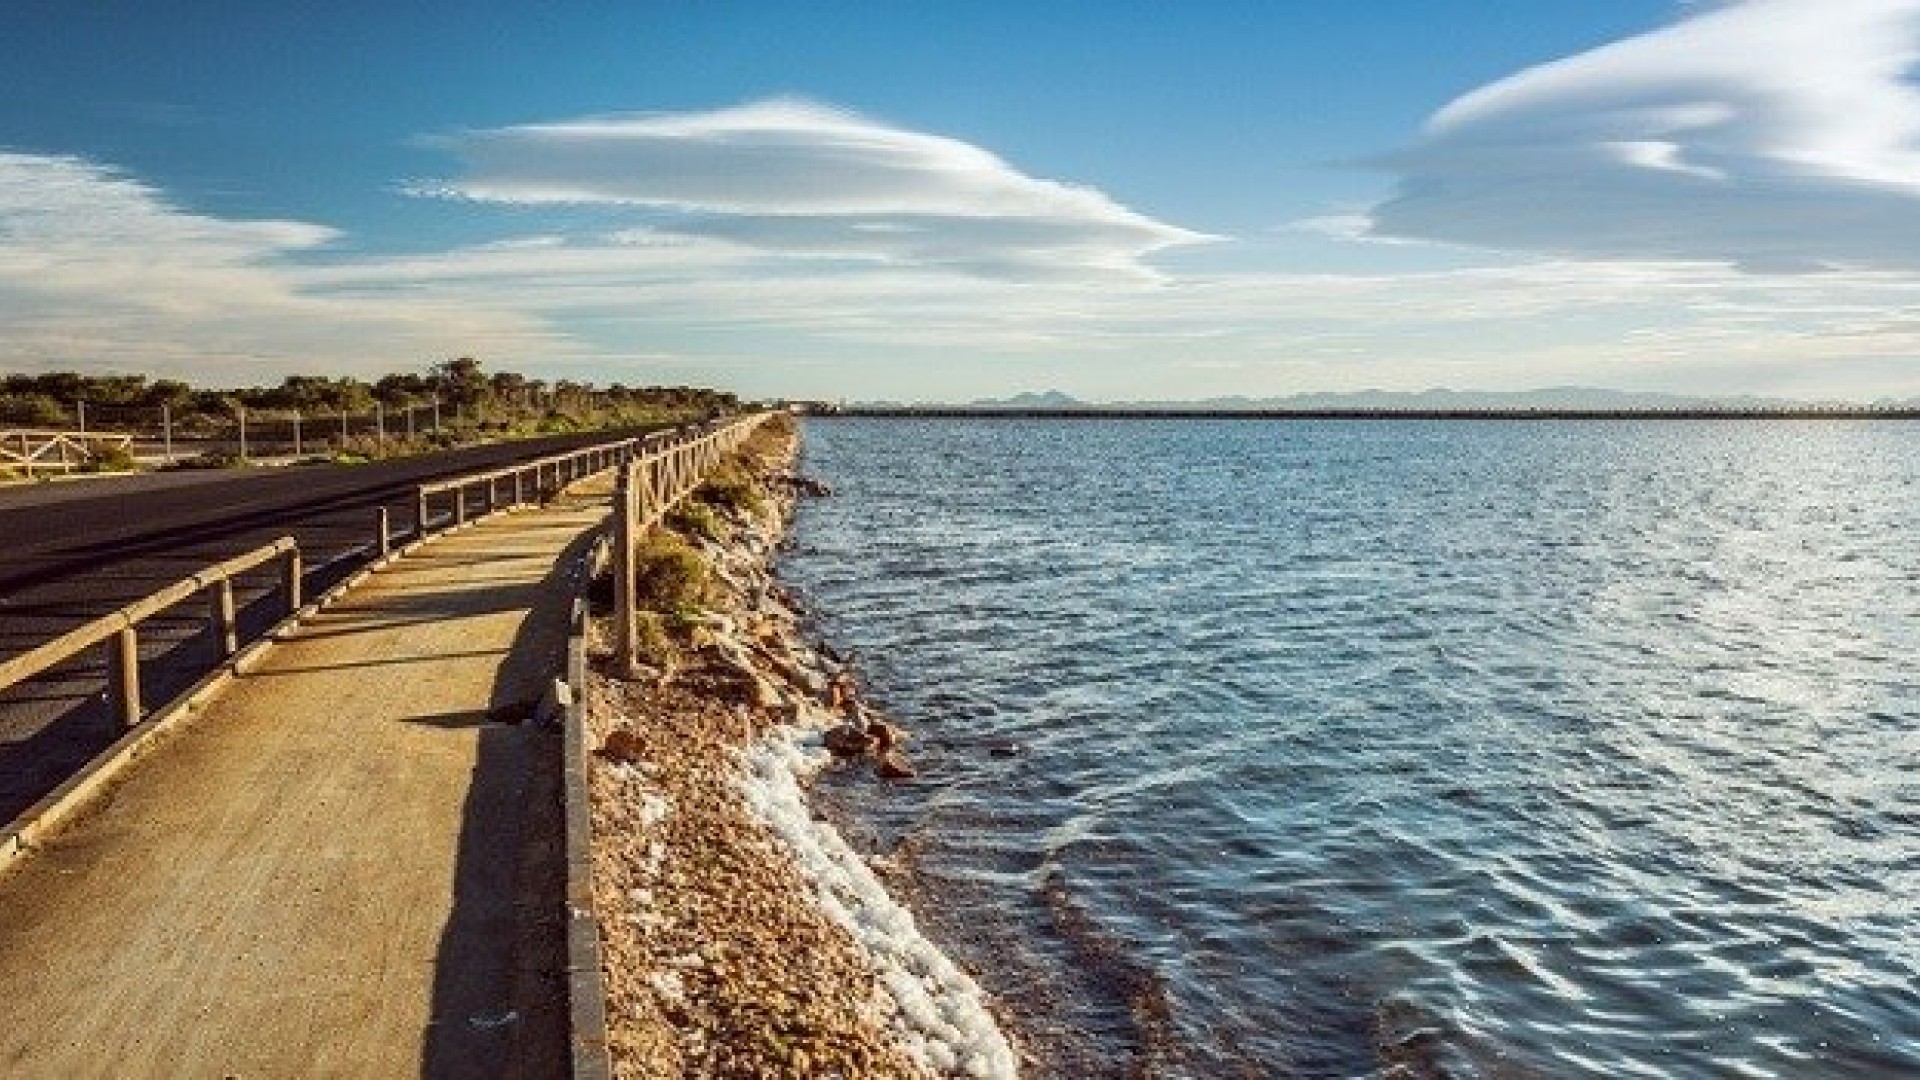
(1049, 399)
(1558, 397)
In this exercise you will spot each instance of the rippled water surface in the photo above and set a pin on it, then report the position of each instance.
(1397, 748)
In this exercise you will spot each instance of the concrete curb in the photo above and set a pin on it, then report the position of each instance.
(586, 980)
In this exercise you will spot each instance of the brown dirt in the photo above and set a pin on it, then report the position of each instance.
(718, 963)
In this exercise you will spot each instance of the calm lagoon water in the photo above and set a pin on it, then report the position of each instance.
(1398, 748)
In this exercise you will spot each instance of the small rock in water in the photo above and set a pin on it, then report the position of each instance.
(845, 694)
(847, 741)
(894, 765)
(1007, 748)
(884, 735)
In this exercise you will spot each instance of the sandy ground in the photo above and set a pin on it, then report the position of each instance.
(349, 867)
(719, 963)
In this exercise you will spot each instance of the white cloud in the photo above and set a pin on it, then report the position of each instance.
(1769, 134)
(98, 270)
(799, 178)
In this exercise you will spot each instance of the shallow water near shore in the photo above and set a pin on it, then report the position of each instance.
(1397, 748)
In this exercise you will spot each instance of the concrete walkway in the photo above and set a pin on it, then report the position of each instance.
(350, 866)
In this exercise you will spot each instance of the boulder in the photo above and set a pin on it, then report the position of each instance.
(893, 765)
(884, 735)
(847, 740)
(623, 744)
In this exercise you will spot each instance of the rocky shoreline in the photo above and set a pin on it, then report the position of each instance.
(742, 936)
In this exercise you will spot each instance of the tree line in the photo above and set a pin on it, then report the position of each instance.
(461, 387)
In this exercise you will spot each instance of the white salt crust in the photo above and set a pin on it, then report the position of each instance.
(942, 1014)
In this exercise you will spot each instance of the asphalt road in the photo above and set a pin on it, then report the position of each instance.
(71, 552)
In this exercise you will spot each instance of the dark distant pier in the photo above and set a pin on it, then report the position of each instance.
(963, 412)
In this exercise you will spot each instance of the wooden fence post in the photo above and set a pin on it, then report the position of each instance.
(626, 619)
(293, 575)
(420, 515)
(224, 624)
(126, 676)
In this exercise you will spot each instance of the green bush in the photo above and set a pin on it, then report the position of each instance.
(108, 459)
(731, 487)
(653, 643)
(669, 576)
(697, 519)
(212, 459)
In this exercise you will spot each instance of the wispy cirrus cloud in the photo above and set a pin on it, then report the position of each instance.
(1767, 134)
(797, 178)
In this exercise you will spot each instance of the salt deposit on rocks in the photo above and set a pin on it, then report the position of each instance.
(741, 936)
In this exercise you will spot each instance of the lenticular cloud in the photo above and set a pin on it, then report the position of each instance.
(800, 178)
(1769, 134)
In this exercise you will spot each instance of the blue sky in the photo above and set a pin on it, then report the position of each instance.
(921, 201)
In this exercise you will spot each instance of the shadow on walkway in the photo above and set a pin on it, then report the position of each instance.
(499, 997)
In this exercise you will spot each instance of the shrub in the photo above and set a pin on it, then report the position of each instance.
(697, 519)
(669, 577)
(653, 643)
(108, 458)
(212, 459)
(732, 487)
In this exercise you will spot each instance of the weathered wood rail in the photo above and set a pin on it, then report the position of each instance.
(25, 450)
(651, 483)
(514, 485)
(120, 630)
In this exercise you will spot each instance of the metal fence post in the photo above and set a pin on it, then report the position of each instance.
(459, 505)
(383, 539)
(420, 515)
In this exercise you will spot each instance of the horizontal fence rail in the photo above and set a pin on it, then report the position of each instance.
(670, 463)
(25, 450)
(121, 629)
(514, 485)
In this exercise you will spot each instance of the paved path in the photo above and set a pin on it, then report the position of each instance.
(75, 551)
(350, 866)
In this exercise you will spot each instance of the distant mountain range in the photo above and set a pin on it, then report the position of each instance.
(1558, 397)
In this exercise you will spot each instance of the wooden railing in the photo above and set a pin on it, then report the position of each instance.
(657, 471)
(121, 629)
(661, 472)
(512, 486)
(25, 450)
